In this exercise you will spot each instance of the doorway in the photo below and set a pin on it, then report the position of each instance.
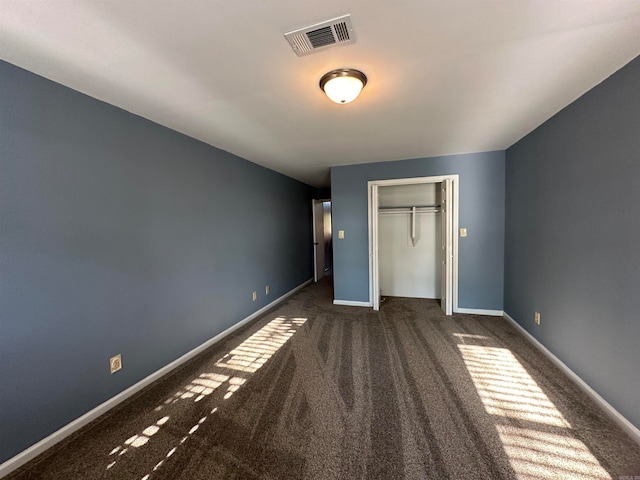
(322, 246)
(423, 208)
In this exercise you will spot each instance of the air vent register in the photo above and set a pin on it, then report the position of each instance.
(318, 37)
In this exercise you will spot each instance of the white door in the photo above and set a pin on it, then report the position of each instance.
(373, 220)
(318, 240)
(447, 248)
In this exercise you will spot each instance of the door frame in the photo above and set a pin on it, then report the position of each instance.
(372, 206)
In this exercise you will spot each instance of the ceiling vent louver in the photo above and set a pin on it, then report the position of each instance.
(314, 38)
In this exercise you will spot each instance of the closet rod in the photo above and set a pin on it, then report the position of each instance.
(408, 211)
(409, 207)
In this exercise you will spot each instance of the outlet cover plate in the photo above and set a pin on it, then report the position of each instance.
(115, 363)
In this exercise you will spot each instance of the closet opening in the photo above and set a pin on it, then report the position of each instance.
(413, 246)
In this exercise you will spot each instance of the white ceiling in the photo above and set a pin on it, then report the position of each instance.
(448, 76)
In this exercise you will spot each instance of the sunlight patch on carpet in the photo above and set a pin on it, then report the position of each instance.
(230, 372)
(508, 391)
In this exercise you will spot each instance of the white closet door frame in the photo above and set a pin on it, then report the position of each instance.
(374, 281)
(446, 200)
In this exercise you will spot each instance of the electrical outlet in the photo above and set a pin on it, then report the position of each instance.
(115, 363)
(536, 318)
(255, 296)
(266, 290)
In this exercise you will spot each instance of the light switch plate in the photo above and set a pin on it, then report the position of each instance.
(463, 232)
(340, 233)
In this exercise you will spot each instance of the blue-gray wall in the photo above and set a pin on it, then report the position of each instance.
(481, 254)
(118, 235)
(573, 237)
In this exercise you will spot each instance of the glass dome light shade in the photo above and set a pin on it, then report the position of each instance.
(344, 85)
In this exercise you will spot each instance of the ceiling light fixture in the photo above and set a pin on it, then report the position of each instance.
(343, 85)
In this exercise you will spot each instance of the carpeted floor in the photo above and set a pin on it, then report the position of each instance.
(317, 391)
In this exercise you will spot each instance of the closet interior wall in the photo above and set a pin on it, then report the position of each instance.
(410, 241)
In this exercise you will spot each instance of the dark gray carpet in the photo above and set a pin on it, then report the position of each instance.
(317, 391)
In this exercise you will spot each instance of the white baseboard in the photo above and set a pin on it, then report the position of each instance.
(611, 412)
(349, 303)
(478, 311)
(36, 449)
